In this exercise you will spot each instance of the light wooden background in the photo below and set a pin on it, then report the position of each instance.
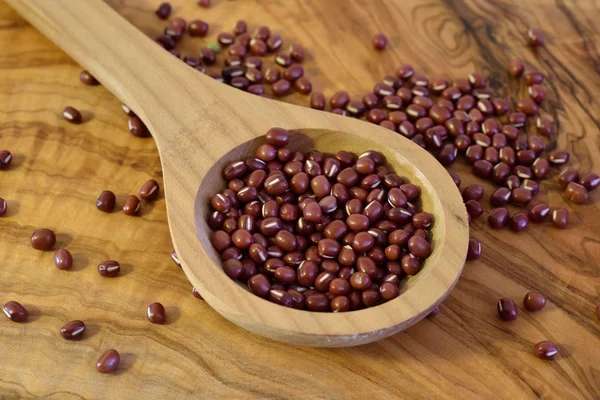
(464, 352)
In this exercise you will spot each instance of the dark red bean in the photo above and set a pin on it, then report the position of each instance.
(233, 268)
(560, 218)
(498, 218)
(540, 168)
(412, 192)
(533, 78)
(108, 361)
(5, 159)
(317, 101)
(281, 88)
(558, 157)
(72, 115)
(15, 311)
(482, 169)
(73, 330)
(419, 247)
(519, 222)
(473, 192)
(259, 285)
(546, 350)
(379, 41)
(474, 153)
(318, 302)
(109, 268)
(363, 241)
(500, 172)
(535, 37)
(197, 28)
(590, 181)
(63, 259)
(296, 51)
(274, 42)
(87, 79)
(163, 10)
(534, 301)
(501, 106)
(340, 304)
(520, 196)
(474, 250)
(106, 201)
(149, 190)
(405, 71)
(507, 309)
(43, 239)
(538, 213)
(576, 193)
(156, 313)
(410, 264)
(272, 75)
(303, 85)
(516, 67)
(474, 208)
(340, 99)
(131, 205)
(531, 185)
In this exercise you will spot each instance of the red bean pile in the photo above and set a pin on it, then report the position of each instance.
(317, 231)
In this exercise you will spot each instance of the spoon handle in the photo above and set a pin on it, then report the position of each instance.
(130, 65)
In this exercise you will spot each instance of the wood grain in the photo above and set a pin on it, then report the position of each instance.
(465, 352)
(169, 96)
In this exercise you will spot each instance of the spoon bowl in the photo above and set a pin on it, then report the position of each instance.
(200, 125)
(419, 294)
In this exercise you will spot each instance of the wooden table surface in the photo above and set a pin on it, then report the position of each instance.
(464, 352)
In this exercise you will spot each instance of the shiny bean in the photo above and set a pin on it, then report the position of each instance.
(498, 218)
(507, 309)
(15, 311)
(576, 193)
(560, 218)
(43, 239)
(109, 268)
(534, 301)
(108, 362)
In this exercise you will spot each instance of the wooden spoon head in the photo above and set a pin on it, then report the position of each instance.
(195, 174)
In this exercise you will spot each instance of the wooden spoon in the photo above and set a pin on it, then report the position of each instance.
(200, 125)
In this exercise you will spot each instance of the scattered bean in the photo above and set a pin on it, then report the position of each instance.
(379, 41)
(546, 350)
(43, 239)
(131, 205)
(576, 193)
(534, 301)
(108, 361)
(149, 190)
(72, 115)
(109, 268)
(15, 311)
(560, 218)
(156, 313)
(163, 11)
(507, 309)
(106, 201)
(63, 259)
(73, 330)
(535, 37)
(5, 159)
(87, 79)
